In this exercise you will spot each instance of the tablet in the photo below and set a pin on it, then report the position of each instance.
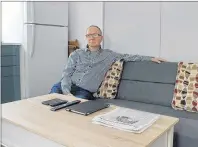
(88, 107)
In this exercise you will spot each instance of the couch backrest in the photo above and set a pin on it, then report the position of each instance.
(148, 82)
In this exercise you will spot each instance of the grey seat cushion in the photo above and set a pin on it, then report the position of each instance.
(153, 108)
(186, 131)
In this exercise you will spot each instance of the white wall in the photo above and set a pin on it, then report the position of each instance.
(81, 16)
(12, 22)
(177, 23)
(129, 30)
(179, 31)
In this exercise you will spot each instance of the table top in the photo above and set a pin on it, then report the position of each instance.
(74, 130)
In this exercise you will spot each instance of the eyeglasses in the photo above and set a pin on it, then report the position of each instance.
(92, 35)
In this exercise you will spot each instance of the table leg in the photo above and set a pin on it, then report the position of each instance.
(165, 140)
(170, 137)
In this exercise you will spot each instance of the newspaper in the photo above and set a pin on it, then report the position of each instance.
(127, 119)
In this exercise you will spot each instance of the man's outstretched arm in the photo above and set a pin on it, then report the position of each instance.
(66, 81)
(130, 57)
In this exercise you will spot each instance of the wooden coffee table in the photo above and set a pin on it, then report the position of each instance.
(28, 123)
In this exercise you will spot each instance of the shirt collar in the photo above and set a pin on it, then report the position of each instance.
(87, 49)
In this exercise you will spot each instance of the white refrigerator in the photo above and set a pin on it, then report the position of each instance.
(44, 49)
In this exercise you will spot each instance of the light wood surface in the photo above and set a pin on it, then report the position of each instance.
(73, 130)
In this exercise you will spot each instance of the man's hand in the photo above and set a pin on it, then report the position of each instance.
(158, 60)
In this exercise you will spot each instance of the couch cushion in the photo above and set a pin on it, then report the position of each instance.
(147, 92)
(109, 86)
(164, 72)
(148, 82)
(186, 131)
(153, 108)
(186, 87)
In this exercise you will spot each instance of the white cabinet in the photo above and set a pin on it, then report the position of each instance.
(132, 27)
(179, 31)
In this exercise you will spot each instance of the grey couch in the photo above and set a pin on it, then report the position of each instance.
(149, 86)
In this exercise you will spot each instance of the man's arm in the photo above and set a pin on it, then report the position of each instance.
(68, 72)
(129, 57)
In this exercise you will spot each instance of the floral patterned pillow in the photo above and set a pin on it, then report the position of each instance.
(109, 87)
(186, 88)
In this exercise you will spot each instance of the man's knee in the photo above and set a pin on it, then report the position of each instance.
(87, 96)
(81, 96)
(56, 88)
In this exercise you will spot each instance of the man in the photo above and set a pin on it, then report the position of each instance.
(87, 67)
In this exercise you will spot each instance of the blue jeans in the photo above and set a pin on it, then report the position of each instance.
(81, 93)
(75, 90)
(56, 88)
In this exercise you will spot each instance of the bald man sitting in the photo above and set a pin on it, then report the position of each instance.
(87, 67)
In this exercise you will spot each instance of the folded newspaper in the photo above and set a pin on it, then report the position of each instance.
(127, 119)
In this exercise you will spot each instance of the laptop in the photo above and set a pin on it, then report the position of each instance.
(88, 107)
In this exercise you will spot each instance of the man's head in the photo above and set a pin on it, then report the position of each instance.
(94, 37)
